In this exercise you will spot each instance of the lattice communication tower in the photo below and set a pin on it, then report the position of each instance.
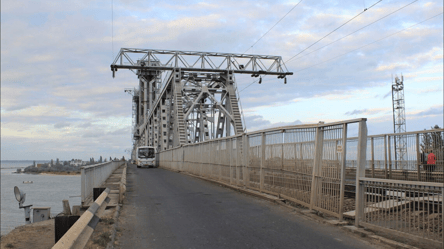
(399, 122)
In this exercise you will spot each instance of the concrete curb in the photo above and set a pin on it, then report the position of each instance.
(114, 231)
(312, 214)
(122, 192)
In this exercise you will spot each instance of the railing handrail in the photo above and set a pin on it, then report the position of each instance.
(96, 165)
(428, 184)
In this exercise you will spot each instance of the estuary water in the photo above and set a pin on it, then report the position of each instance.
(45, 191)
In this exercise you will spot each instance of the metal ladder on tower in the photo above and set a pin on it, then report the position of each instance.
(180, 119)
(236, 114)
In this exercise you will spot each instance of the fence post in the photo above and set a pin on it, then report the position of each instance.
(83, 187)
(343, 160)
(261, 172)
(373, 156)
(418, 157)
(360, 171)
(319, 145)
(390, 158)
(245, 150)
(385, 157)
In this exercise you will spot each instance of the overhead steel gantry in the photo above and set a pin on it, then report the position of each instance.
(187, 97)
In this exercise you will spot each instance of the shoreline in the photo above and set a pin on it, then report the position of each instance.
(71, 173)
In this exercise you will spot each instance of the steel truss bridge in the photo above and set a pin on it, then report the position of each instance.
(187, 97)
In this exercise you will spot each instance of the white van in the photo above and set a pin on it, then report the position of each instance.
(146, 156)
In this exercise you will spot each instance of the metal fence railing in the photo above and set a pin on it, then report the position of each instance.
(383, 159)
(304, 163)
(410, 209)
(94, 176)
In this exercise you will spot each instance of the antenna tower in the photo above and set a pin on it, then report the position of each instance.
(399, 123)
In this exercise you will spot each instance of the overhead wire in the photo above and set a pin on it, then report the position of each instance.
(112, 29)
(368, 44)
(273, 27)
(353, 31)
(335, 29)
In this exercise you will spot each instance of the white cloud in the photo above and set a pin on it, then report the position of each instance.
(57, 89)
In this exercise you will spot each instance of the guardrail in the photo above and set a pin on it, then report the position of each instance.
(94, 176)
(410, 209)
(122, 184)
(304, 163)
(78, 235)
(384, 159)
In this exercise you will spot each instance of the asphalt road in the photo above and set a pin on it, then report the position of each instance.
(165, 210)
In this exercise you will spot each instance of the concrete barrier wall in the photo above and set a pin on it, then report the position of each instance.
(94, 176)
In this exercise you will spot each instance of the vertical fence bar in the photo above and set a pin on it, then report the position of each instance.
(316, 165)
(245, 150)
(360, 171)
(343, 161)
(373, 156)
(83, 187)
(385, 158)
(389, 158)
(418, 158)
(261, 171)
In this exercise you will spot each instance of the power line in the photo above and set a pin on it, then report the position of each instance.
(273, 27)
(354, 31)
(356, 48)
(369, 43)
(112, 29)
(335, 29)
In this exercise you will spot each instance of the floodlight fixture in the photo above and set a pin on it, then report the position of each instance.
(20, 196)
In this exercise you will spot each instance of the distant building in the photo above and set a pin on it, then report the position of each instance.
(77, 162)
(39, 165)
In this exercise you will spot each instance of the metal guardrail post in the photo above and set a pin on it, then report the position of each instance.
(385, 158)
(261, 171)
(360, 171)
(343, 168)
(389, 158)
(82, 187)
(319, 144)
(418, 158)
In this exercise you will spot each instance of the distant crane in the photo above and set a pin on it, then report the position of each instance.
(399, 121)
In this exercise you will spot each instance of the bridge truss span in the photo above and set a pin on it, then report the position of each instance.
(187, 97)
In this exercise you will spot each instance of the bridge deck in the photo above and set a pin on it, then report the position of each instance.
(164, 209)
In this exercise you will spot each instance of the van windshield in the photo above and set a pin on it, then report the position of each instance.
(146, 153)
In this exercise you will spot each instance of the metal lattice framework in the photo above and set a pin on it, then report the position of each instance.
(187, 97)
(399, 123)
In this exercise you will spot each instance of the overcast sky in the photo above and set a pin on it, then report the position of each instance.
(58, 97)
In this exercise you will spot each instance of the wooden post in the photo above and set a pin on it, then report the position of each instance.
(360, 171)
(343, 160)
(373, 156)
(261, 172)
(319, 144)
(66, 207)
(418, 158)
